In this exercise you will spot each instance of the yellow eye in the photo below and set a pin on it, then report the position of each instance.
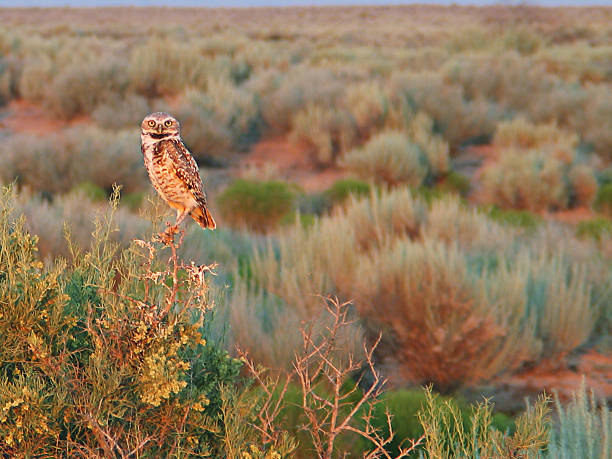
(151, 123)
(168, 123)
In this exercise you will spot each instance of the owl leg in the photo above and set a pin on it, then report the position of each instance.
(180, 216)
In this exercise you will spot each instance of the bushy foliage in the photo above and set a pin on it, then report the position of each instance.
(584, 429)
(256, 205)
(393, 254)
(106, 356)
(389, 158)
(58, 162)
(603, 200)
(342, 189)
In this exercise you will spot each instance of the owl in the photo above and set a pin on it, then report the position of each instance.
(172, 170)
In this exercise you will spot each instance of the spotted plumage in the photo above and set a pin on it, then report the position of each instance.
(172, 170)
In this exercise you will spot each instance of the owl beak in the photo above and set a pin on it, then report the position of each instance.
(160, 128)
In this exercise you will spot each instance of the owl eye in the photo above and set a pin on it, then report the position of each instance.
(151, 123)
(168, 123)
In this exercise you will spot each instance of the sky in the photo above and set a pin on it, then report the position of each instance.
(247, 3)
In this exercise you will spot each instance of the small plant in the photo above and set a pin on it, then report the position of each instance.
(603, 200)
(519, 218)
(446, 437)
(596, 228)
(389, 158)
(256, 205)
(342, 189)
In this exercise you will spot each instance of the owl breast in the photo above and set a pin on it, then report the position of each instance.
(163, 177)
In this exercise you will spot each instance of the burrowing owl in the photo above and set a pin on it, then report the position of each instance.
(173, 171)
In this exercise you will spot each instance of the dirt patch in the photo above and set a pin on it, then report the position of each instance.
(279, 158)
(24, 117)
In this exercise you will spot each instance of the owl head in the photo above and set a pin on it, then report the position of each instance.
(160, 125)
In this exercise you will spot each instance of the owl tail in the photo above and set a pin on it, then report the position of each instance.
(203, 217)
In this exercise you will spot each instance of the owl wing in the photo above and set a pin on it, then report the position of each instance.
(186, 168)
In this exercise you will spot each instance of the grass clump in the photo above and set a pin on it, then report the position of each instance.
(596, 228)
(342, 189)
(256, 205)
(603, 200)
(584, 429)
(389, 158)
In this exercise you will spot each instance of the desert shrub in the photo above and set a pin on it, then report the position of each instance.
(534, 181)
(523, 40)
(421, 131)
(90, 190)
(459, 120)
(58, 162)
(90, 373)
(224, 117)
(389, 158)
(79, 88)
(455, 182)
(36, 75)
(597, 228)
(445, 437)
(341, 189)
(286, 95)
(603, 200)
(119, 112)
(583, 185)
(522, 134)
(73, 213)
(368, 105)
(163, 67)
(519, 218)
(203, 133)
(583, 430)
(328, 131)
(406, 405)
(449, 339)
(256, 205)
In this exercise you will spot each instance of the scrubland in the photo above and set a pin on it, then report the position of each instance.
(465, 245)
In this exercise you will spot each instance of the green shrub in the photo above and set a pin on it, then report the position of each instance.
(406, 405)
(519, 218)
(389, 158)
(256, 205)
(88, 372)
(603, 200)
(92, 191)
(447, 438)
(596, 228)
(455, 182)
(342, 189)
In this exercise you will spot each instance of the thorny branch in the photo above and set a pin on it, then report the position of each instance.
(321, 367)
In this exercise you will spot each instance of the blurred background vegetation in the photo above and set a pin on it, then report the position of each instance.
(447, 170)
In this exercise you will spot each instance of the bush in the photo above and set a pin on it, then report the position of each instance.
(603, 200)
(536, 181)
(80, 88)
(584, 429)
(256, 205)
(118, 112)
(59, 162)
(342, 189)
(406, 406)
(597, 228)
(389, 158)
(519, 218)
(327, 131)
(88, 373)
